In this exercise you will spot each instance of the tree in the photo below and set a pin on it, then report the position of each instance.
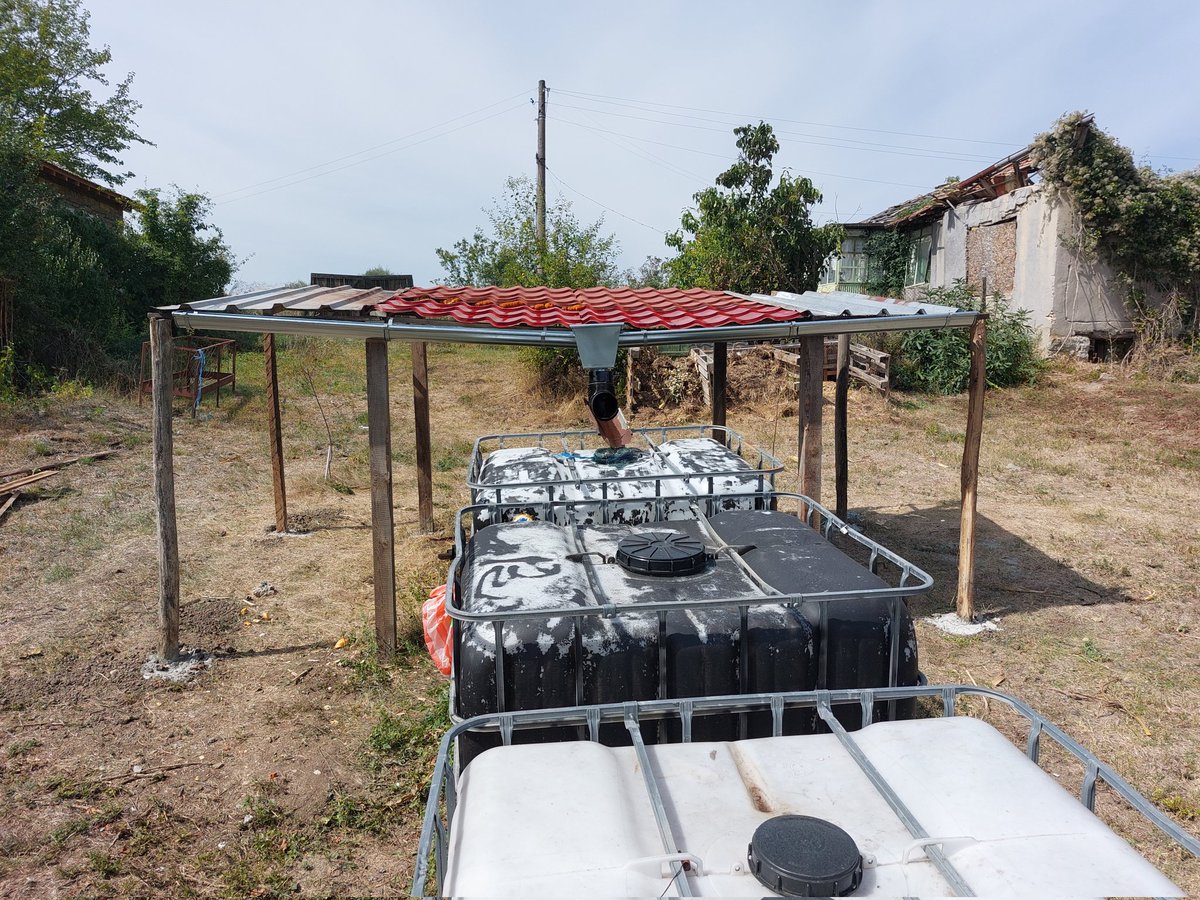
(183, 256)
(572, 256)
(48, 72)
(379, 271)
(746, 235)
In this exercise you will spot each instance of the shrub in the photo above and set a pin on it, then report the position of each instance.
(939, 361)
(560, 374)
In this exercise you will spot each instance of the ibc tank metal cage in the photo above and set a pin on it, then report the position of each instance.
(905, 580)
(757, 461)
(443, 797)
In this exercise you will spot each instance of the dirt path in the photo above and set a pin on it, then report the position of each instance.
(294, 764)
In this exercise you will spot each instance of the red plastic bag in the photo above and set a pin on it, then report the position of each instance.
(436, 625)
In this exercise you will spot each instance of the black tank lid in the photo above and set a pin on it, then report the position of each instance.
(800, 856)
(662, 553)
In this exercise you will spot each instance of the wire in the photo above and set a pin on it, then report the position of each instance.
(369, 149)
(730, 159)
(661, 108)
(376, 156)
(558, 178)
(615, 101)
(797, 138)
(641, 154)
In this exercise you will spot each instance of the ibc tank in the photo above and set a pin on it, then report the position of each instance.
(569, 653)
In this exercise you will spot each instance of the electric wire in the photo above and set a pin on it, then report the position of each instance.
(616, 212)
(374, 157)
(663, 109)
(623, 101)
(799, 138)
(729, 159)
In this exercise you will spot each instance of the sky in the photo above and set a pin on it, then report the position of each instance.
(333, 137)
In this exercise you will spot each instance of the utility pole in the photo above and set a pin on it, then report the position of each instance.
(541, 165)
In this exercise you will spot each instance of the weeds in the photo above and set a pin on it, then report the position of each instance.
(103, 864)
(21, 748)
(1090, 651)
(63, 833)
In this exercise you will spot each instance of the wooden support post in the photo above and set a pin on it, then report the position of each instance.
(812, 376)
(275, 434)
(379, 440)
(720, 374)
(420, 376)
(162, 393)
(841, 439)
(965, 602)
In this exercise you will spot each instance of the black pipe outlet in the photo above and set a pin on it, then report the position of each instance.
(602, 395)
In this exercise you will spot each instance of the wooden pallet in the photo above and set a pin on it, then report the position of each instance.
(870, 366)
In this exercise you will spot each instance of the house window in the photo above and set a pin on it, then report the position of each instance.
(919, 253)
(850, 268)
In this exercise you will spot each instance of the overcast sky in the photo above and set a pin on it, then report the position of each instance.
(338, 136)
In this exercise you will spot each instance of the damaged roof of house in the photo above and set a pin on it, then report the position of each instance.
(1001, 177)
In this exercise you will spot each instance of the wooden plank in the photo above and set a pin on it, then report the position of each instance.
(420, 377)
(841, 438)
(812, 366)
(161, 351)
(7, 505)
(720, 374)
(56, 464)
(965, 601)
(704, 370)
(383, 539)
(18, 483)
(275, 434)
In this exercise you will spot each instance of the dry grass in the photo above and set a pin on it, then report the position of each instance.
(295, 761)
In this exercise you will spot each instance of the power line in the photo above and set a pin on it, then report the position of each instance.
(377, 155)
(616, 101)
(800, 139)
(369, 149)
(641, 154)
(658, 231)
(661, 108)
(730, 159)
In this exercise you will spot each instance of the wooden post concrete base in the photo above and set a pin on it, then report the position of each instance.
(812, 376)
(379, 440)
(420, 377)
(162, 393)
(275, 434)
(965, 601)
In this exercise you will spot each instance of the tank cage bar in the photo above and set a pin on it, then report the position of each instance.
(911, 580)
(764, 464)
(442, 800)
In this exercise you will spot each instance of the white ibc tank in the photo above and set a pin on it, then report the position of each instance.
(574, 819)
(679, 470)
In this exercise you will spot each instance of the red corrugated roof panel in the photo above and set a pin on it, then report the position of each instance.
(543, 307)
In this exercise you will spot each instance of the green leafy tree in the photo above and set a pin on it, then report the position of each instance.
(49, 72)
(751, 232)
(509, 252)
(379, 271)
(183, 256)
(887, 261)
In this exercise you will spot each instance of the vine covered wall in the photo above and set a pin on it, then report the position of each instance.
(1144, 223)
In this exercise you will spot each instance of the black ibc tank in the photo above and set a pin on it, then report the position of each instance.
(558, 660)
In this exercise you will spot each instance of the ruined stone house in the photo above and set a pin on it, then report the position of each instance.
(1002, 224)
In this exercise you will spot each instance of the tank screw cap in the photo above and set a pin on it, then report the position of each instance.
(802, 856)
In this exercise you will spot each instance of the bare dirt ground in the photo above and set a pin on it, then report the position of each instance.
(295, 764)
